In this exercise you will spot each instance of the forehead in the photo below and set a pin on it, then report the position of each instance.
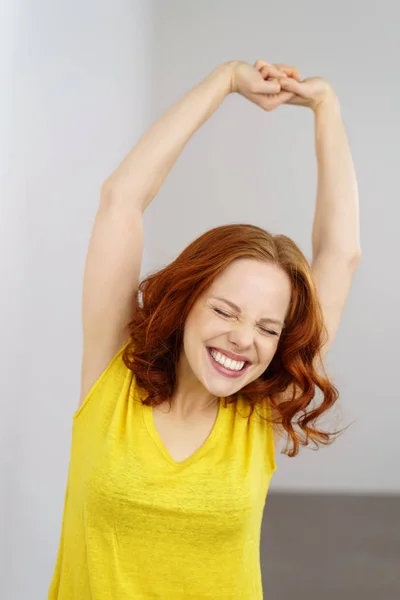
(254, 285)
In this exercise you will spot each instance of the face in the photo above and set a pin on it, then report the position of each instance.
(240, 315)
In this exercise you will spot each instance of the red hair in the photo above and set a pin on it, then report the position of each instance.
(165, 298)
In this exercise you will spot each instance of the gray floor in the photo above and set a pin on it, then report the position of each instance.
(329, 547)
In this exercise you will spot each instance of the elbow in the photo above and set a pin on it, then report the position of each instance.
(116, 192)
(107, 192)
(112, 192)
(355, 258)
(111, 188)
(338, 257)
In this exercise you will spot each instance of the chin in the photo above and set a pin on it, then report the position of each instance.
(218, 385)
(222, 390)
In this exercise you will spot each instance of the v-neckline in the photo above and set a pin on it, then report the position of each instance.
(148, 417)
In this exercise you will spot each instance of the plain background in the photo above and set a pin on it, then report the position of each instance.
(81, 81)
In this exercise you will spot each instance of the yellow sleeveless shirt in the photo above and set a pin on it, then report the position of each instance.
(137, 525)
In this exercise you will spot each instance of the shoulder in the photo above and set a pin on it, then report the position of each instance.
(106, 382)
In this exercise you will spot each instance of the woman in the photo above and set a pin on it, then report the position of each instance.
(187, 378)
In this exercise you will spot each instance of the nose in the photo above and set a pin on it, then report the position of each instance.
(242, 336)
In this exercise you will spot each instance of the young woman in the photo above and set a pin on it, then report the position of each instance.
(187, 377)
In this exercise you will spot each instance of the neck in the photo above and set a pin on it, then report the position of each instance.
(190, 397)
(185, 405)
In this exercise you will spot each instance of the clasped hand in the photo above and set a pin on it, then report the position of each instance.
(271, 85)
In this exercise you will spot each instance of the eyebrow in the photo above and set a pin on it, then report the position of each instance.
(238, 309)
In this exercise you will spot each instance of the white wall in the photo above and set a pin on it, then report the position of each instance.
(82, 83)
(11, 272)
(80, 93)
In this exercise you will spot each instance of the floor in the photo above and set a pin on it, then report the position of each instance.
(317, 547)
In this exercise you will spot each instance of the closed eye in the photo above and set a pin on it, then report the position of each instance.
(224, 314)
(269, 331)
(221, 312)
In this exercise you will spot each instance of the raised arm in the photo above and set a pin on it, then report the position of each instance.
(114, 256)
(336, 230)
(336, 235)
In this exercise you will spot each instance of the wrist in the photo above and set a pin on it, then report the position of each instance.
(227, 70)
(328, 101)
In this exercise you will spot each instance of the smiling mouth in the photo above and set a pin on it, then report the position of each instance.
(226, 370)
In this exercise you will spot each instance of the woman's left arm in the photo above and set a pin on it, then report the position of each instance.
(336, 232)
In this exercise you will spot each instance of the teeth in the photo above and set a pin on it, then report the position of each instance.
(228, 363)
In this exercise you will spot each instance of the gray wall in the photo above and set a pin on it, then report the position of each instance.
(247, 165)
(82, 84)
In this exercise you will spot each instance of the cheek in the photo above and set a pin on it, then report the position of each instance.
(206, 327)
(196, 330)
(268, 352)
(269, 344)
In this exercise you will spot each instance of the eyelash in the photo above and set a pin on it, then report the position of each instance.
(224, 314)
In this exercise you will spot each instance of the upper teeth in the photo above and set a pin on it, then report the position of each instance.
(228, 363)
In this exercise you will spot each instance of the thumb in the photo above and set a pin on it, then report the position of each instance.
(269, 86)
(291, 85)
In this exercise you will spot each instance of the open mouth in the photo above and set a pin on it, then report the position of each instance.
(226, 370)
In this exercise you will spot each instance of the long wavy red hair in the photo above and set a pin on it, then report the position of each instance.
(291, 381)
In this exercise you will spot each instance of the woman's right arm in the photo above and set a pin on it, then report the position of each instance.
(114, 255)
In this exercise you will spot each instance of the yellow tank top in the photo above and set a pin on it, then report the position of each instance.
(137, 525)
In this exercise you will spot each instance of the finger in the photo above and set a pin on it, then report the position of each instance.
(292, 72)
(284, 97)
(261, 63)
(270, 103)
(273, 71)
(268, 70)
(289, 84)
(271, 86)
(289, 71)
